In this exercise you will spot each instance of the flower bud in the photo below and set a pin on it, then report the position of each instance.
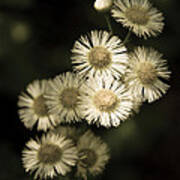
(103, 5)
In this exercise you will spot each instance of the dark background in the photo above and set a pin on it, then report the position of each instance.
(36, 37)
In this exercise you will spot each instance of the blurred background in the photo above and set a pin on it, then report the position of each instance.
(36, 37)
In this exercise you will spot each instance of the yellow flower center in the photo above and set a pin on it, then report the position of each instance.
(69, 98)
(87, 158)
(137, 15)
(99, 57)
(49, 153)
(105, 100)
(146, 72)
(39, 106)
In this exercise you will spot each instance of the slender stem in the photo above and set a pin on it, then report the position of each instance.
(108, 22)
(127, 37)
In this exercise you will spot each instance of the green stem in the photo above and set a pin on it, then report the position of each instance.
(127, 37)
(108, 23)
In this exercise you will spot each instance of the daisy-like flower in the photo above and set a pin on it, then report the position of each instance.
(51, 155)
(106, 102)
(138, 15)
(93, 155)
(33, 108)
(64, 96)
(103, 5)
(99, 54)
(146, 71)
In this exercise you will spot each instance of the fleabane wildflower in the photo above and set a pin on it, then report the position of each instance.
(93, 155)
(106, 102)
(49, 156)
(99, 53)
(64, 96)
(33, 108)
(139, 16)
(103, 5)
(146, 73)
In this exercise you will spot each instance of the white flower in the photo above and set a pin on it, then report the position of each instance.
(138, 15)
(99, 54)
(146, 71)
(64, 96)
(93, 155)
(33, 108)
(51, 155)
(103, 5)
(106, 102)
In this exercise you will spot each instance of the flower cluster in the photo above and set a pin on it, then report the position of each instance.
(61, 149)
(107, 86)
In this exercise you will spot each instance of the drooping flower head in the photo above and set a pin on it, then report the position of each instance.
(64, 96)
(33, 108)
(146, 71)
(49, 156)
(138, 15)
(99, 54)
(106, 102)
(93, 155)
